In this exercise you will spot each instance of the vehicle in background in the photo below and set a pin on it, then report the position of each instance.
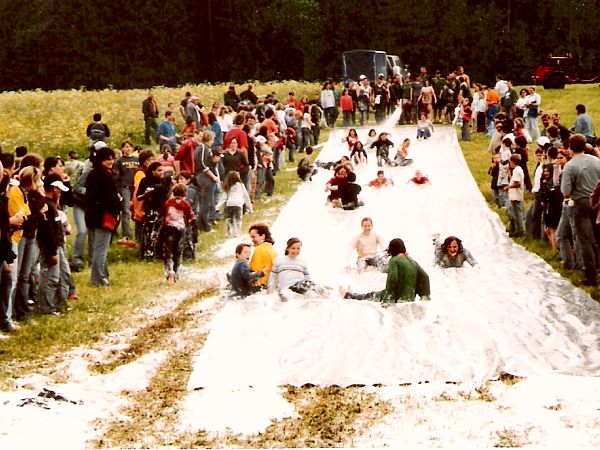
(370, 63)
(557, 71)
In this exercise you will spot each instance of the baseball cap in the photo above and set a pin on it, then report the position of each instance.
(99, 144)
(542, 140)
(381, 75)
(260, 139)
(54, 180)
(362, 77)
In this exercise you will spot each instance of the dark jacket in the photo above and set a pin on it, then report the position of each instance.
(101, 197)
(148, 109)
(50, 234)
(6, 253)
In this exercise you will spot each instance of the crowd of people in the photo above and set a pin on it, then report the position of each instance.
(564, 185)
(224, 157)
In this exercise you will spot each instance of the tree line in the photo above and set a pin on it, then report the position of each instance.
(57, 44)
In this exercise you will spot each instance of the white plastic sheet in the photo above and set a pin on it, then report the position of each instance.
(511, 313)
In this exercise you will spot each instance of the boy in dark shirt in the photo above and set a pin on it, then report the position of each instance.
(241, 275)
(54, 287)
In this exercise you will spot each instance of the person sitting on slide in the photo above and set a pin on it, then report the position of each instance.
(383, 145)
(242, 277)
(367, 245)
(343, 191)
(332, 165)
(305, 168)
(290, 272)
(358, 153)
(405, 279)
(402, 158)
(451, 252)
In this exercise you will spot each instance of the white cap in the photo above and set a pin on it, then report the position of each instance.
(510, 136)
(362, 77)
(260, 139)
(60, 185)
(542, 140)
(99, 144)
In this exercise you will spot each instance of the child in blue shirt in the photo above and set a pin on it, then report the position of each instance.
(241, 275)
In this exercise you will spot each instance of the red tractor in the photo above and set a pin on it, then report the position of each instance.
(558, 71)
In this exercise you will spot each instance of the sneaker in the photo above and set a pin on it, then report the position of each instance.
(73, 297)
(123, 240)
(171, 279)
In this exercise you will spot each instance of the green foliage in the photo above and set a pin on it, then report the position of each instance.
(51, 44)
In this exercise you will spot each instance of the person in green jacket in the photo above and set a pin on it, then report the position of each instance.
(405, 279)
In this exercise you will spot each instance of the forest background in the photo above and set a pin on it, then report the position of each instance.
(64, 44)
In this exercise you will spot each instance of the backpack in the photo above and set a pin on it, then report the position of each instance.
(97, 132)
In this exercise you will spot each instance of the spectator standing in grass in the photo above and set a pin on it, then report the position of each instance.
(97, 131)
(150, 112)
(580, 176)
(102, 209)
(584, 124)
(123, 172)
(515, 191)
(55, 273)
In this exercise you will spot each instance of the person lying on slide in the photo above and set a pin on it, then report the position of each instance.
(451, 252)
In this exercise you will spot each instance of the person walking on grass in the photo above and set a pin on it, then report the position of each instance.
(176, 214)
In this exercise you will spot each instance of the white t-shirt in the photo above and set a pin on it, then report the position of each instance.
(517, 193)
(501, 88)
(537, 176)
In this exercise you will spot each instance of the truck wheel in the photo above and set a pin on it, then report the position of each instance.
(555, 81)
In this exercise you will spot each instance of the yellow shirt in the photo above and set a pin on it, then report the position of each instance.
(16, 205)
(262, 259)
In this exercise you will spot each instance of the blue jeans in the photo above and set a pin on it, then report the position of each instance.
(79, 242)
(303, 139)
(563, 234)
(54, 287)
(346, 118)
(583, 220)
(233, 218)
(125, 212)
(515, 214)
(491, 115)
(423, 133)
(100, 239)
(466, 136)
(28, 255)
(8, 282)
(208, 189)
(173, 239)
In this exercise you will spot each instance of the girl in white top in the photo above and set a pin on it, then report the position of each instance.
(234, 197)
(290, 273)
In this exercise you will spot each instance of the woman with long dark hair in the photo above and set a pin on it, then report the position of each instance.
(102, 210)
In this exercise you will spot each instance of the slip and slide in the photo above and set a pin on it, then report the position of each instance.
(509, 314)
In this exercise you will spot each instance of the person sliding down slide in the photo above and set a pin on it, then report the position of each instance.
(405, 279)
(290, 273)
(451, 252)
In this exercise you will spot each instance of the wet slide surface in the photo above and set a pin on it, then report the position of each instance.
(510, 313)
